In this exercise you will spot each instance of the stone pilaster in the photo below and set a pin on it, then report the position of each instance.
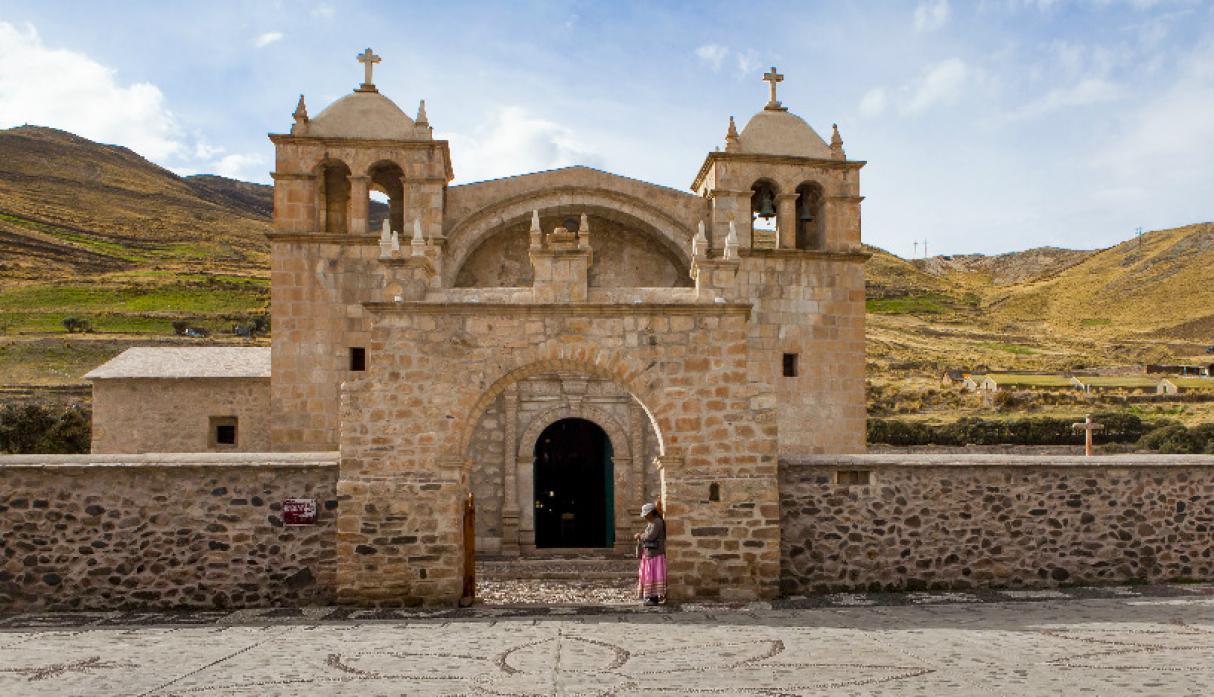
(359, 202)
(510, 465)
(786, 220)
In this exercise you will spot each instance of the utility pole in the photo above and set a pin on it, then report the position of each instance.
(916, 254)
(1139, 235)
(924, 249)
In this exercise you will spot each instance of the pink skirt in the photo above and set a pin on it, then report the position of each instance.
(652, 577)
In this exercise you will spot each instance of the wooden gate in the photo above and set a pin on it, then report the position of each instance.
(469, 552)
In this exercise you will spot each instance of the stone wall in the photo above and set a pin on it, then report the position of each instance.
(109, 532)
(173, 416)
(963, 521)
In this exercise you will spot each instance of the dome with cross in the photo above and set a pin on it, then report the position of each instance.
(777, 131)
(365, 114)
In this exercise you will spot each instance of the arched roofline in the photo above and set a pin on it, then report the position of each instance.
(471, 231)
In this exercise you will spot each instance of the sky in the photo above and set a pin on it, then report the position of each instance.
(988, 125)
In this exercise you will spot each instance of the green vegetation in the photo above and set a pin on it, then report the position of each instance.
(36, 428)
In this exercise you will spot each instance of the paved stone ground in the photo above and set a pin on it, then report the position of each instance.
(1125, 641)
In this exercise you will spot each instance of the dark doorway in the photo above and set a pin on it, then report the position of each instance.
(574, 497)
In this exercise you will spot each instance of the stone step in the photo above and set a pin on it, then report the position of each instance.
(587, 568)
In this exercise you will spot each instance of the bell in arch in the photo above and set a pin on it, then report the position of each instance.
(765, 207)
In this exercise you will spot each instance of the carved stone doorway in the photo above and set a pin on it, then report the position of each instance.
(574, 492)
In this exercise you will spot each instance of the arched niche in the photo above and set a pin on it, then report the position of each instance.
(467, 234)
(628, 252)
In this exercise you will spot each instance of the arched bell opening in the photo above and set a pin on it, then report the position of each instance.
(332, 196)
(763, 207)
(386, 194)
(809, 217)
(574, 488)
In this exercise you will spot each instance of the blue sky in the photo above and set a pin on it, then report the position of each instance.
(989, 126)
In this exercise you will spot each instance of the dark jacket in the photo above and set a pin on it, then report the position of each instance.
(655, 532)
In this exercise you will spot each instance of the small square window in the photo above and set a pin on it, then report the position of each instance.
(223, 432)
(790, 365)
(358, 358)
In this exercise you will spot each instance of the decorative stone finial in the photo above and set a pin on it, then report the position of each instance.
(537, 235)
(731, 241)
(836, 144)
(419, 242)
(772, 78)
(395, 241)
(385, 240)
(301, 111)
(422, 119)
(583, 233)
(368, 59)
(731, 136)
(699, 243)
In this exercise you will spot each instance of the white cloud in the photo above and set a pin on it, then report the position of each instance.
(1082, 93)
(513, 141)
(324, 12)
(267, 38)
(930, 15)
(939, 84)
(240, 166)
(748, 62)
(713, 55)
(80, 95)
(874, 101)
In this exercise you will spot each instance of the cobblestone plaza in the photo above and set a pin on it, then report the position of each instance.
(1110, 641)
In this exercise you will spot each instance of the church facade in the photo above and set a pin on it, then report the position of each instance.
(565, 345)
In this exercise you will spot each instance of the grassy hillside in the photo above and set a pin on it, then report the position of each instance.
(1159, 284)
(96, 232)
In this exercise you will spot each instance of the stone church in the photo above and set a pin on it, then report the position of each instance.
(565, 345)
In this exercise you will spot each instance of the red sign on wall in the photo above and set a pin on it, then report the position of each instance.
(299, 511)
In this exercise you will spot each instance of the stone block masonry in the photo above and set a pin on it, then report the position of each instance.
(190, 530)
(993, 521)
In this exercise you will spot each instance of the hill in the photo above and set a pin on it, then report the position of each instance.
(69, 206)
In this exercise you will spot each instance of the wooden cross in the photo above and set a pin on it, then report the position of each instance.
(368, 59)
(1087, 426)
(772, 78)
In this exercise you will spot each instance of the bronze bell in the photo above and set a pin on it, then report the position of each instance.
(765, 207)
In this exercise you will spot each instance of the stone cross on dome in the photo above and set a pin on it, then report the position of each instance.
(368, 59)
(772, 78)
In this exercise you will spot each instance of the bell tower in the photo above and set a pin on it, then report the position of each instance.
(793, 201)
(325, 245)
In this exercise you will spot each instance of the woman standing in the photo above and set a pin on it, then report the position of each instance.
(651, 582)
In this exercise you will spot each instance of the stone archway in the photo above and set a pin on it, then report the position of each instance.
(573, 486)
(628, 474)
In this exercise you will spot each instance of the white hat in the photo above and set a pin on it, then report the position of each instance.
(647, 509)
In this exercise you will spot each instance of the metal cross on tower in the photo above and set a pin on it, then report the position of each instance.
(368, 59)
(772, 78)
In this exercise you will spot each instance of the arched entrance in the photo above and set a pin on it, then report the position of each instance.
(574, 492)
